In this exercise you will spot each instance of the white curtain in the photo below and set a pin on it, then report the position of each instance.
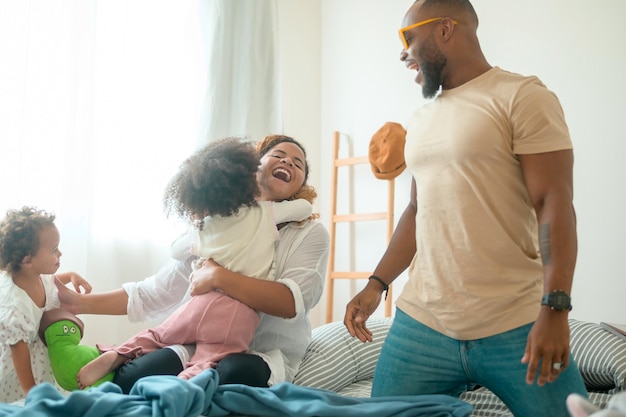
(242, 72)
(100, 102)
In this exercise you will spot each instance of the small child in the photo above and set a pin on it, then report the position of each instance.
(29, 256)
(216, 190)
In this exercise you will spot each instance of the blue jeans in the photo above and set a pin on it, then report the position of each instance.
(418, 360)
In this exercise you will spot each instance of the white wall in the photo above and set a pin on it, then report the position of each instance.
(575, 47)
(299, 62)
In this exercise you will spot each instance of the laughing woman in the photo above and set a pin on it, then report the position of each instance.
(284, 331)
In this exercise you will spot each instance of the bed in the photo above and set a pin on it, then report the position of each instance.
(337, 362)
(334, 380)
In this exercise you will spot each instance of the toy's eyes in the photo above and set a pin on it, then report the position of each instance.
(65, 328)
(72, 330)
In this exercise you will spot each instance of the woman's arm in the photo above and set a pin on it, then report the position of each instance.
(301, 262)
(154, 297)
(269, 297)
(111, 302)
(21, 363)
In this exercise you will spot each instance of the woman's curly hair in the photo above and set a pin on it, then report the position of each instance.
(306, 192)
(216, 180)
(19, 236)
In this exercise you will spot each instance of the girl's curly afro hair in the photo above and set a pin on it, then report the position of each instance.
(19, 236)
(216, 180)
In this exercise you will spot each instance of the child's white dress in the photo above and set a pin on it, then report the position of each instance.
(19, 320)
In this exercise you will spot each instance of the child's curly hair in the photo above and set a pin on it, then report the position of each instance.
(307, 191)
(216, 180)
(19, 236)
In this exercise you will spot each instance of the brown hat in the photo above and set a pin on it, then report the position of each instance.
(386, 152)
(57, 314)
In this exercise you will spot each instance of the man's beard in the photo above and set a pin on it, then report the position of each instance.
(432, 65)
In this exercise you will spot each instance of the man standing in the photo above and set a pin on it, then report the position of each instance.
(489, 234)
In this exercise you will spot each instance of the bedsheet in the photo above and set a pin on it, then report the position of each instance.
(169, 396)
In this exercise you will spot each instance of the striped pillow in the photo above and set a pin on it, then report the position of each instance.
(600, 356)
(334, 359)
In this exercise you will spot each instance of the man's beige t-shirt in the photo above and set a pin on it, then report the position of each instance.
(477, 270)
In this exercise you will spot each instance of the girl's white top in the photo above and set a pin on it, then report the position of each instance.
(19, 321)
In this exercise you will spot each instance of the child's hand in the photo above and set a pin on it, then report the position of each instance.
(77, 281)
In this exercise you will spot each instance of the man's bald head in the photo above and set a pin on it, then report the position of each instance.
(461, 10)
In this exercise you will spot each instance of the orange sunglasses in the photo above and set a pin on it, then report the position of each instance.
(402, 31)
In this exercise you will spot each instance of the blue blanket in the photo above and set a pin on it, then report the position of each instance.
(169, 396)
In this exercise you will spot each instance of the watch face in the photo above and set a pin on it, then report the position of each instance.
(557, 300)
(560, 299)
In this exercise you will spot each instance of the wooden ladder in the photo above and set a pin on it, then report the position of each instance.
(387, 216)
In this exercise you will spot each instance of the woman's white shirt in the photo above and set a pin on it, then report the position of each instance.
(301, 262)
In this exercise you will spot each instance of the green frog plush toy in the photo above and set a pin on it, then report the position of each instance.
(62, 331)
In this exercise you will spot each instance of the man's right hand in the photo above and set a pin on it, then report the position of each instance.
(359, 310)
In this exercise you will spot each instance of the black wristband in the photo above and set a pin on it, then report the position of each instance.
(385, 286)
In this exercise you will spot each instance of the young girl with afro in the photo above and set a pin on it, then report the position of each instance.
(216, 190)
